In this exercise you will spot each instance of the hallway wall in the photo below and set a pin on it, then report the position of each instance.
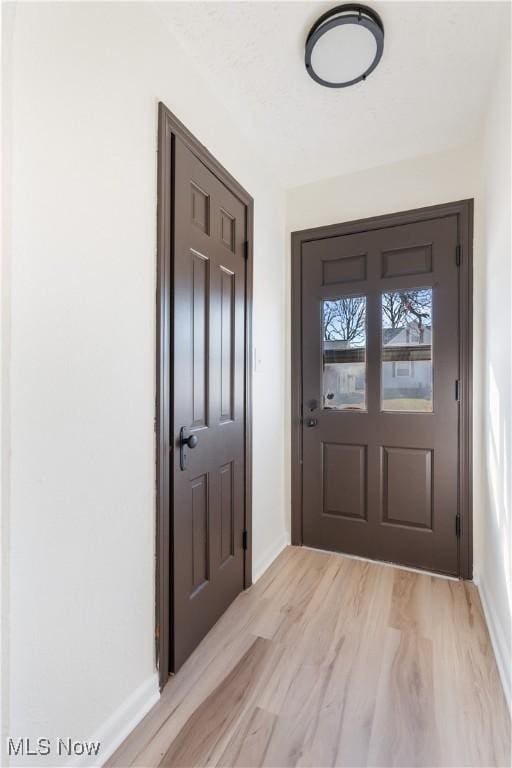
(82, 83)
(493, 537)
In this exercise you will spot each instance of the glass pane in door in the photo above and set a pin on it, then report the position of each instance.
(344, 353)
(407, 350)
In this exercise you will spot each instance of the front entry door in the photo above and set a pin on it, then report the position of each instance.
(208, 395)
(380, 357)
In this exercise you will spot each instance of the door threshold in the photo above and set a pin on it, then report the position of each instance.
(383, 562)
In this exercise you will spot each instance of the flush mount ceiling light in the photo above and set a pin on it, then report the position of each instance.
(344, 45)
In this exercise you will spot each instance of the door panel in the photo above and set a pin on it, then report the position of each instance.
(227, 349)
(380, 416)
(344, 492)
(208, 395)
(200, 302)
(407, 503)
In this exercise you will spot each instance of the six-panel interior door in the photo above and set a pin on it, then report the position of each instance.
(380, 411)
(208, 396)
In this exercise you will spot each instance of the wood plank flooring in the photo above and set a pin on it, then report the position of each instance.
(332, 661)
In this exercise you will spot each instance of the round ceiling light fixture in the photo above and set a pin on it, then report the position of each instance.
(344, 45)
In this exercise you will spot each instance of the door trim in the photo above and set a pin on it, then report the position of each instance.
(169, 128)
(463, 210)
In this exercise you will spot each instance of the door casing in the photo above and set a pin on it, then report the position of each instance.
(170, 127)
(463, 210)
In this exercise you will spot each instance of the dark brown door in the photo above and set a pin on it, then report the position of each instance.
(208, 396)
(380, 410)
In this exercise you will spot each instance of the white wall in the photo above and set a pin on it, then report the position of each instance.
(426, 180)
(82, 83)
(493, 538)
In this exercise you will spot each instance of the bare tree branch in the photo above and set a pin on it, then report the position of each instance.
(345, 320)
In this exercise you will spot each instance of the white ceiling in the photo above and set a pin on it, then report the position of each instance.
(427, 94)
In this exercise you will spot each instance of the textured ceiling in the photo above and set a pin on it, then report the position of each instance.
(427, 94)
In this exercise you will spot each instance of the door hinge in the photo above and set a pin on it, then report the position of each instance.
(457, 525)
(244, 539)
(458, 255)
(246, 249)
(457, 390)
(157, 632)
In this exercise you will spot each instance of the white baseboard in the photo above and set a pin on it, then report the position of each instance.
(121, 723)
(498, 641)
(269, 555)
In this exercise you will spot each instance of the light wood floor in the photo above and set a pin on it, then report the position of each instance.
(331, 661)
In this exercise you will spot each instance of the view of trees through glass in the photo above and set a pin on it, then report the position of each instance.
(406, 351)
(344, 353)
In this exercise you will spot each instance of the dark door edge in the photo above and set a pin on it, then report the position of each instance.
(169, 127)
(463, 210)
